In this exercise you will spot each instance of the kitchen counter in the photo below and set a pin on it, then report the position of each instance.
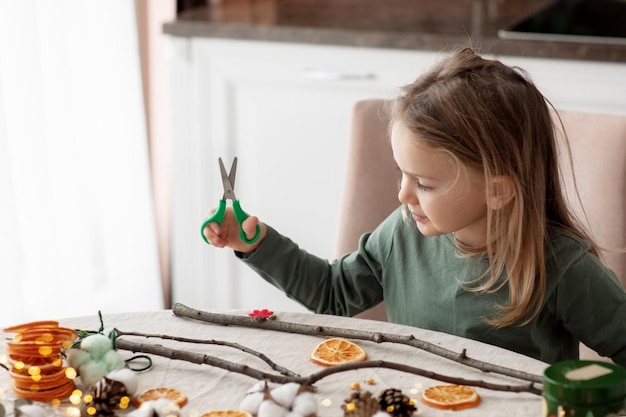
(431, 25)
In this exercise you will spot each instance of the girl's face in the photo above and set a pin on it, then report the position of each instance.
(442, 196)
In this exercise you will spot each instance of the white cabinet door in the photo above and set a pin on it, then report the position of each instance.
(284, 110)
(586, 86)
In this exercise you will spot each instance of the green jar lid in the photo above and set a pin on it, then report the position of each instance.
(585, 382)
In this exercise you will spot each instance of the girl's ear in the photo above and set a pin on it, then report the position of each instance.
(500, 192)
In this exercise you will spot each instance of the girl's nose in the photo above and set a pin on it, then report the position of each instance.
(406, 194)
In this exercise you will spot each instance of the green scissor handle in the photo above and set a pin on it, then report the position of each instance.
(217, 217)
(240, 216)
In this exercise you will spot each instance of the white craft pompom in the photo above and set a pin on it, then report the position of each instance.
(251, 402)
(285, 394)
(269, 408)
(126, 376)
(305, 404)
(381, 414)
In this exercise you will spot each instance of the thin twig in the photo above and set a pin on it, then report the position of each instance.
(231, 320)
(200, 358)
(233, 345)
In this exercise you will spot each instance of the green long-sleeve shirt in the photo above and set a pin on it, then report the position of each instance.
(421, 280)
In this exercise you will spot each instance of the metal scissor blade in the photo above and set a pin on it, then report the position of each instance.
(228, 180)
(233, 173)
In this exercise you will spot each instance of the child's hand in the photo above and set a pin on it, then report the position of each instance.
(227, 235)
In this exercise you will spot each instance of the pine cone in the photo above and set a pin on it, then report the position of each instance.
(360, 404)
(396, 404)
(107, 395)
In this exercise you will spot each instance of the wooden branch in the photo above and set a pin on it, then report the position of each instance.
(199, 358)
(530, 387)
(231, 320)
(233, 345)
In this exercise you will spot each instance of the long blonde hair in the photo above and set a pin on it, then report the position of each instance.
(494, 120)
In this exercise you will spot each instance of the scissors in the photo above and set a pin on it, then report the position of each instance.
(228, 181)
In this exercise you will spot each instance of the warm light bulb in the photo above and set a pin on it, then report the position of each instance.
(75, 399)
(70, 373)
(72, 412)
(45, 351)
(45, 338)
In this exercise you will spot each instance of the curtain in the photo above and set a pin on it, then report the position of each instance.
(151, 15)
(77, 226)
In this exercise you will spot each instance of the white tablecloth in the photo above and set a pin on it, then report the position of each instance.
(209, 388)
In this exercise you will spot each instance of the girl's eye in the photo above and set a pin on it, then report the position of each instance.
(415, 180)
(423, 187)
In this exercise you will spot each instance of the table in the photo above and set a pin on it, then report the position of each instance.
(210, 388)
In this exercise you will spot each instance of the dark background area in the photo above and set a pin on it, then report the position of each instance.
(182, 5)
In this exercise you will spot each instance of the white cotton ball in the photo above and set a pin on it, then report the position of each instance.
(269, 408)
(31, 410)
(77, 357)
(113, 360)
(92, 372)
(165, 407)
(97, 345)
(141, 412)
(161, 407)
(305, 404)
(259, 386)
(251, 402)
(147, 405)
(126, 376)
(381, 414)
(285, 394)
(294, 414)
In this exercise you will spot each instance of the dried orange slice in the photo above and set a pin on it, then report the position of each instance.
(45, 335)
(152, 394)
(337, 351)
(226, 413)
(31, 325)
(451, 397)
(46, 395)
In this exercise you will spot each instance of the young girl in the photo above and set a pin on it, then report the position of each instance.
(484, 245)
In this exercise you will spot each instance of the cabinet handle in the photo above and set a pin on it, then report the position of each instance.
(324, 75)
